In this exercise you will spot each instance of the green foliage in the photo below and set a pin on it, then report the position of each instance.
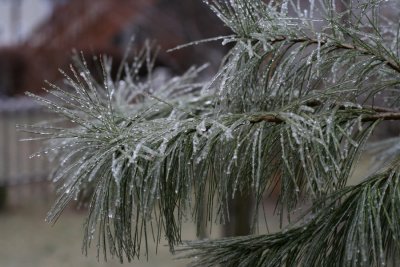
(290, 109)
(355, 226)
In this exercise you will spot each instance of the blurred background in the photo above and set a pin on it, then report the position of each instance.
(37, 38)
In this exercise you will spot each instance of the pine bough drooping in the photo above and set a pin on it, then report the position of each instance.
(290, 109)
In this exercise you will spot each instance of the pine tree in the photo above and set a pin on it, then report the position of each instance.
(290, 110)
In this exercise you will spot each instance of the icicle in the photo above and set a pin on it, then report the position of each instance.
(310, 58)
(228, 134)
(201, 128)
(307, 108)
(334, 71)
(259, 164)
(233, 160)
(135, 153)
(163, 146)
(359, 122)
(195, 143)
(295, 134)
(351, 105)
(250, 49)
(110, 213)
(94, 172)
(329, 126)
(116, 168)
(318, 52)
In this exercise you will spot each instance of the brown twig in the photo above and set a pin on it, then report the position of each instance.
(345, 46)
(315, 103)
(387, 116)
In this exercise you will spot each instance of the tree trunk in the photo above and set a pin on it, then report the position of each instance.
(240, 213)
(3, 197)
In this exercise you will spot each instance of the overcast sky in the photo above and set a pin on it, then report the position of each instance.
(33, 12)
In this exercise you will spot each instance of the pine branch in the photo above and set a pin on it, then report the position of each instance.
(365, 118)
(122, 159)
(378, 109)
(356, 226)
(382, 116)
(323, 41)
(268, 34)
(146, 157)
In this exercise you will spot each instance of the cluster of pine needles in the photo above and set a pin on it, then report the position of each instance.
(290, 110)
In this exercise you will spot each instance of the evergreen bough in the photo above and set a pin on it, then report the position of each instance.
(290, 110)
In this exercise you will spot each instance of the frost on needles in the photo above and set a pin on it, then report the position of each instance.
(292, 106)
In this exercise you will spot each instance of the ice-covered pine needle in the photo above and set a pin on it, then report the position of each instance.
(290, 110)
